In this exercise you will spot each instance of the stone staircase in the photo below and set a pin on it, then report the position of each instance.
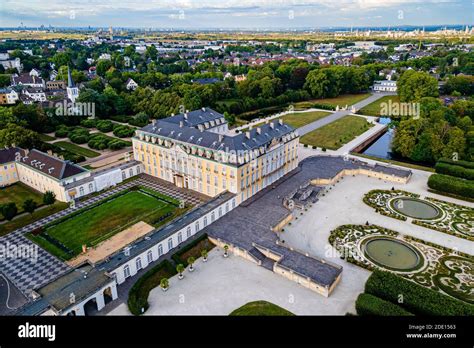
(264, 261)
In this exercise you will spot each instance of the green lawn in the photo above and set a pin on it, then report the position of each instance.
(18, 193)
(38, 214)
(260, 308)
(337, 133)
(342, 100)
(373, 109)
(300, 119)
(77, 149)
(45, 137)
(94, 225)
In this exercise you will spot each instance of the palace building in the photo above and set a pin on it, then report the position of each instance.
(195, 150)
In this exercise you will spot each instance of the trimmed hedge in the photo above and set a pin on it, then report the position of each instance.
(367, 304)
(454, 170)
(465, 164)
(451, 184)
(177, 256)
(138, 294)
(416, 298)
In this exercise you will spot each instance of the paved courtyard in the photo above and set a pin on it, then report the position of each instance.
(221, 285)
(343, 205)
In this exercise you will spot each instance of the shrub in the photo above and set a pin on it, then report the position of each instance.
(139, 120)
(451, 184)
(61, 132)
(454, 170)
(79, 135)
(88, 123)
(105, 126)
(465, 164)
(9, 210)
(138, 294)
(49, 197)
(416, 298)
(123, 131)
(29, 205)
(367, 304)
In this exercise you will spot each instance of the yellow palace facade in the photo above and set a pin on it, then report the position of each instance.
(196, 151)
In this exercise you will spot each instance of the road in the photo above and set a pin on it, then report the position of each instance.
(340, 114)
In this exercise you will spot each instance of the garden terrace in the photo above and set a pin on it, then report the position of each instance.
(441, 270)
(451, 218)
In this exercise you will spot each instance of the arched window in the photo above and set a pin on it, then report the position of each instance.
(160, 249)
(91, 187)
(126, 272)
(170, 243)
(149, 256)
(188, 231)
(180, 237)
(138, 263)
(205, 221)
(81, 191)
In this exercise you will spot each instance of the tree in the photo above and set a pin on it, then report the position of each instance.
(15, 134)
(9, 210)
(30, 205)
(191, 261)
(49, 197)
(180, 270)
(164, 284)
(414, 85)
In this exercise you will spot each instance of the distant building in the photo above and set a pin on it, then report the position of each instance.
(104, 56)
(72, 90)
(56, 84)
(385, 86)
(240, 78)
(12, 64)
(8, 96)
(131, 85)
(27, 80)
(45, 172)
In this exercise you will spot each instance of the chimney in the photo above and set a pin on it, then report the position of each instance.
(280, 121)
(221, 138)
(247, 135)
(201, 127)
(259, 130)
(153, 121)
(203, 109)
(50, 152)
(181, 124)
(272, 125)
(185, 115)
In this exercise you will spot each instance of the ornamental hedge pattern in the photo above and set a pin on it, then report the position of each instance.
(456, 219)
(447, 271)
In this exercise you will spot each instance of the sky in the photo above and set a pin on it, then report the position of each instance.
(232, 14)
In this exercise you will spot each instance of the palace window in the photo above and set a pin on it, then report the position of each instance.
(126, 272)
(149, 256)
(138, 263)
(170, 243)
(160, 250)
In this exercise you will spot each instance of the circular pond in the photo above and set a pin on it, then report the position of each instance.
(415, 208)
(392, 254)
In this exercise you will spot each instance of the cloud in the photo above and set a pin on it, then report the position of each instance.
(222, 13)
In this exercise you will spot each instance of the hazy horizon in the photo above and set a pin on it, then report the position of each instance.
(235, 14)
